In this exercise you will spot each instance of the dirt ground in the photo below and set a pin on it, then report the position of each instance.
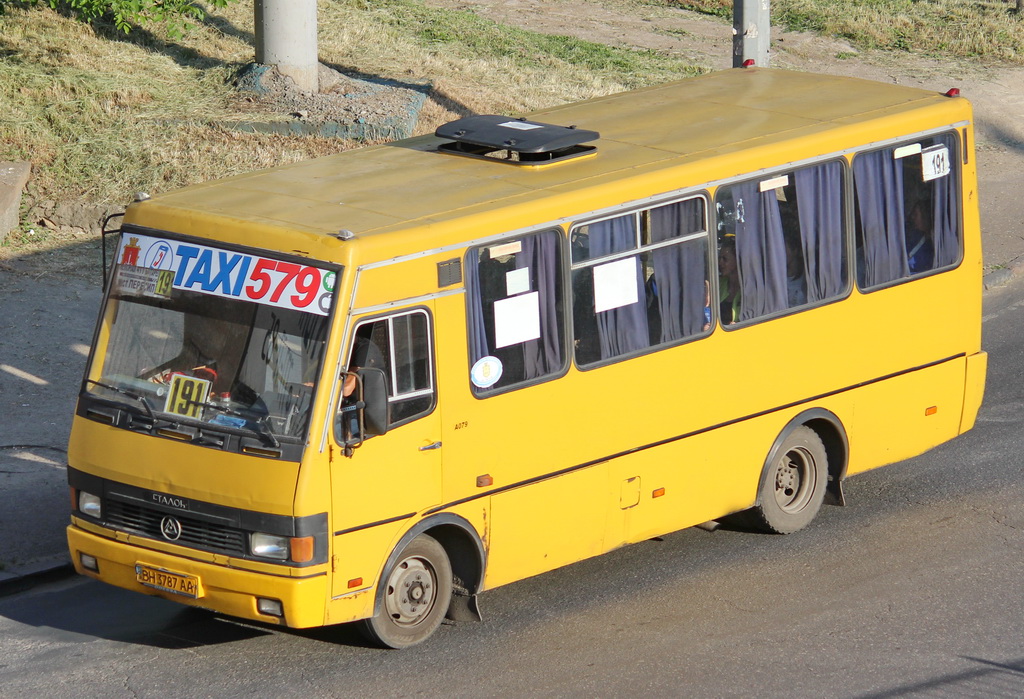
(996, 91)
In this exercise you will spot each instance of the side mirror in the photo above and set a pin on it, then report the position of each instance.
(377, 410)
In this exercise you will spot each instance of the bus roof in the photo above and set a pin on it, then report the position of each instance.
(411, 183)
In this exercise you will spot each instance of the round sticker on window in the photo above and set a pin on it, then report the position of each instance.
(486, 372)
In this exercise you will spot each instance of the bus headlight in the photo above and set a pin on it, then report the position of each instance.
(89, 504)
(269, 546)
(299, 549)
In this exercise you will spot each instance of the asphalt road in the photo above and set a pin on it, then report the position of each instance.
(913, 589)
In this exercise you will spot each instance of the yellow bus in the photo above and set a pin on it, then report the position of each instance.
(370, 386)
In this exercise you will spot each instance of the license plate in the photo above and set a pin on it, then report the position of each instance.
(178, 583)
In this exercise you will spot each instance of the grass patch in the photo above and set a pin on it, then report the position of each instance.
(476, 38)
(982, 29)
(715, 8)
(101, 115)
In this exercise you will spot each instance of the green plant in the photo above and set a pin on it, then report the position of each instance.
(174, 14)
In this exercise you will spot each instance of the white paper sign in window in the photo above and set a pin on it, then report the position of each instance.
(517, 281)
(513, 248)
(906, 151)
(615, 284)
(934, 163)
(516, 320)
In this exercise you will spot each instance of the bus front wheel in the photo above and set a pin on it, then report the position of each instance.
(793, 486)
(417, 591)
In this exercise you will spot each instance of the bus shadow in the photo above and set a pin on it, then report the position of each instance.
(85, 611)
(987, 679)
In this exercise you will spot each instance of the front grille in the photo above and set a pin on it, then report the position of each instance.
(195, 533)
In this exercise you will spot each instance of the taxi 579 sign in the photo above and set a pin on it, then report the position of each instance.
(153, 266)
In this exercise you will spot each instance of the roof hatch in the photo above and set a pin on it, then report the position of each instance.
(516, 141)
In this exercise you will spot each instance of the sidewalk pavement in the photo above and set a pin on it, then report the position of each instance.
(46, 325)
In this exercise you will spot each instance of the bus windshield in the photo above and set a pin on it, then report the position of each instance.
(224, 339)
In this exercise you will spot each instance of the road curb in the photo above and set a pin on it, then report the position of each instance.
(27, 577)
(1003, 275)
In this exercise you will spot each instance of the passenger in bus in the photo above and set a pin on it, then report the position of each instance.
(728, 281)
(707, 306)
(920, 252)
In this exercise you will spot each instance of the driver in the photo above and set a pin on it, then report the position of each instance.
(366, 354)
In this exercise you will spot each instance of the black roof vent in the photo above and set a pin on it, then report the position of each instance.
(516, 141)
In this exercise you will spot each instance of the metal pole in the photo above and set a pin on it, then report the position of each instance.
(286, 39)
(751, 32)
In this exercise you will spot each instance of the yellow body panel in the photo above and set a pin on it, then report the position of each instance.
(588, 460)
(974, 389)
(171, 466)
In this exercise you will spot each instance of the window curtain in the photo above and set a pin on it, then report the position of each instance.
(680, 271)
(819, 195)
(946, 212)
(878, 180)
(624, 329)
(477, 329)
(544, 355)
(760, 252)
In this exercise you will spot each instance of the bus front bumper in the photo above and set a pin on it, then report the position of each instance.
(219, 588)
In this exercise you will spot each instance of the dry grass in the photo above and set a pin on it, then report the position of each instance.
(101, 116)
(981, 29)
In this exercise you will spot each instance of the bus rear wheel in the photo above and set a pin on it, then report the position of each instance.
(793, 487)
(417, 591)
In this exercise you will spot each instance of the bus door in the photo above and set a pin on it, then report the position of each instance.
(390, 477)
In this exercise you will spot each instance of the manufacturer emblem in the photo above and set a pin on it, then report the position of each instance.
(170, 528)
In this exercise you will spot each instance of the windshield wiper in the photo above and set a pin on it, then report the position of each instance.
(264, 429)
(126, 392)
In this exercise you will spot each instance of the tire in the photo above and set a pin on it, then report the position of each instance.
(793, 485)
(417, 590)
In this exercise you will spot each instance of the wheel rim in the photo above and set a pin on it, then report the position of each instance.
(411, 591)
(795, 480)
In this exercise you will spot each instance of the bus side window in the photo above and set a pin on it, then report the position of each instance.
(643, 282)
(401, 346)
(907, 210)
(515, 308)
(781, 242)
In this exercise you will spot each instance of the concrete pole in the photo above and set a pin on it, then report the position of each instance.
(751, 32)
(286, 39)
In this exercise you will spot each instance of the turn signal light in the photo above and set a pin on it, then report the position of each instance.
(302, 549)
